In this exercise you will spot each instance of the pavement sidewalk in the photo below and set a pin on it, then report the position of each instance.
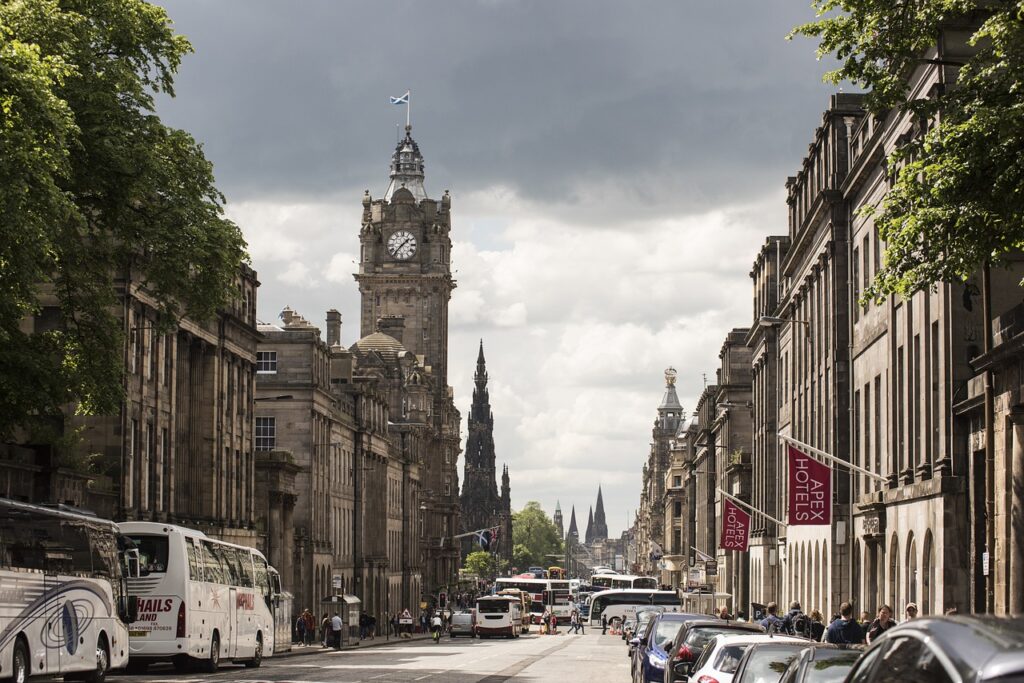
(375, 642)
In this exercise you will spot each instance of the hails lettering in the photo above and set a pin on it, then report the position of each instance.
(246, 601)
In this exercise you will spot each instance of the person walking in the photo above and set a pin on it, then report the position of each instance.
(300, 630)
(845, 630)
(723, 613)
(553, 630)
(817, 627)
(883, 623)
(795, 623)
(325, 630)
(336, 626)
(310, 626)
(911, 611)
(772, 623)
(604, 624)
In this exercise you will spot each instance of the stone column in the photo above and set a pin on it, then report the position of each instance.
(286, 541)
(1014, 557)
(274, 531)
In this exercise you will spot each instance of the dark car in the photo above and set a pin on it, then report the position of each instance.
(652, 653)
(634, 646)
(689, 643)
(767, 662)
(959, 649)
(822, 663)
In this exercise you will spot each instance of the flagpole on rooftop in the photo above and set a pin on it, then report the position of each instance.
(408, 107)
(750, 507)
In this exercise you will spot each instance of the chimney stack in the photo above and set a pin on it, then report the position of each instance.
(393, 326)
(333, 327)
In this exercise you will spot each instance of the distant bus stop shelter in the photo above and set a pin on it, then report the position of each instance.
(348, 607)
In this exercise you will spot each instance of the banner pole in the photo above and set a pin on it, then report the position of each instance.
(750, 507)
(832, 458)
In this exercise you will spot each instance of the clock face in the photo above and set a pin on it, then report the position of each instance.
(402, 245)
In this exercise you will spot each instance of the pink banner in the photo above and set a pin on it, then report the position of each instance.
(810, 490)
(735, 527)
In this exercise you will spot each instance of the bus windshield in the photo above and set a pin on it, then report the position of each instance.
(153, 552)
(492, 606)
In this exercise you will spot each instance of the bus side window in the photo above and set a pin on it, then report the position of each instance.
(194, 564)
(262, 578)
(243, 558)
(211, 564)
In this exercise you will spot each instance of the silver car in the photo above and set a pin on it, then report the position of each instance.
(463, 624)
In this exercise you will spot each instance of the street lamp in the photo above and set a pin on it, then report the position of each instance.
(775, 321)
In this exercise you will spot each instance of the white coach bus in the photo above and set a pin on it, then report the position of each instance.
(63, 599)
(616, 605)
(200, 600)
(499, 615)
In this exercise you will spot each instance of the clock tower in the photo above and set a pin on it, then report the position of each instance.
(405, 284)
(405, 260)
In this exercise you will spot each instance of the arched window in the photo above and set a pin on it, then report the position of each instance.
(894, 572)
(911, 569)
(928, 577)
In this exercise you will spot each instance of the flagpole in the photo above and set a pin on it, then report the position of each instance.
(832, 458)
(408, 106)
(750, 507)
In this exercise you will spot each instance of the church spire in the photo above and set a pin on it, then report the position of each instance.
(574, 533)
(600, 523)
(480, 376)
(407, 168)
(589, 537)
(557, 519)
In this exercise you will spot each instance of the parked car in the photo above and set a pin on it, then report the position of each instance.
(766, 662)
(653, 650)
(959, 649)
(723, 653)
(463, 624)
(691, 640)
(628, 627)
(822, 663)
(634, 646)
(642, 615)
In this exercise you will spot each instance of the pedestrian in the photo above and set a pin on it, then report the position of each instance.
(580, 623)
(371, 626)
(772, 623)
(310, 626)
(865, 619)
(554, 623)
(604, 624)
(574, 621)
(845, 630)
(435, 627)
(364, 622)
(723, 613)
(325, 630)
(300, 630)
(911, 611)
(795, 623)
(741, 616)
(882, 624)
(817, 628)
(336, 626)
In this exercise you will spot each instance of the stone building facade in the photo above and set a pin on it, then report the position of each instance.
(405, 273)
(180, 450)
(482, 506)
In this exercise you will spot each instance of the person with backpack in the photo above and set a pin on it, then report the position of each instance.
(796, 623)
(772, 623)
(817, 626)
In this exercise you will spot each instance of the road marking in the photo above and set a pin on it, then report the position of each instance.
(381, 676)
(422, 677)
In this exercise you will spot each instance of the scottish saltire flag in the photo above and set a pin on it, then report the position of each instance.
(404, 99)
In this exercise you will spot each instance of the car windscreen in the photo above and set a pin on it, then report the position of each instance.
(698, 636)
(666, 632)
(729, 658)
(766, 665)
(831, 666)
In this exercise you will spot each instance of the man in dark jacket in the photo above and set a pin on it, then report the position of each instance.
(772, 623)
(845, 630)
(790, 620)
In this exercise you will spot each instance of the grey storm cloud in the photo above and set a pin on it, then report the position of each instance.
(614, 167)
(290, 98)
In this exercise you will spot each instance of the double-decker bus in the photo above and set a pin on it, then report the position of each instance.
(545, 594)
(622, 581)
(556, 573)
(615, 605)
(200, 600)
(64, 604)
(525, 601)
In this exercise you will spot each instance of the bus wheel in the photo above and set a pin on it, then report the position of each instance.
(102, 663)
(213, 663)
(257, 659)
(20, 666)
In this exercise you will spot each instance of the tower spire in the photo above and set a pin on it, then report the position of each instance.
(574, 533)
(407, 168)
(600, 523)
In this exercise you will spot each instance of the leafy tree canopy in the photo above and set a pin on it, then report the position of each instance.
(92, 187)
(484, 564)
(535, 538)
(958, 196)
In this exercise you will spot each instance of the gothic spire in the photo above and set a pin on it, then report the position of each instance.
(590, 527)
(600, 524)
(573, 531)
(407, 168)
(480, 376)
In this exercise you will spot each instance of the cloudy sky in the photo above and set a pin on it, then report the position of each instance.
(614, 167)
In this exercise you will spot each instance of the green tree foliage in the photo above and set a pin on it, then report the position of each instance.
(484, 564)
(92, 187)
(535, 538)
(958, 195)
